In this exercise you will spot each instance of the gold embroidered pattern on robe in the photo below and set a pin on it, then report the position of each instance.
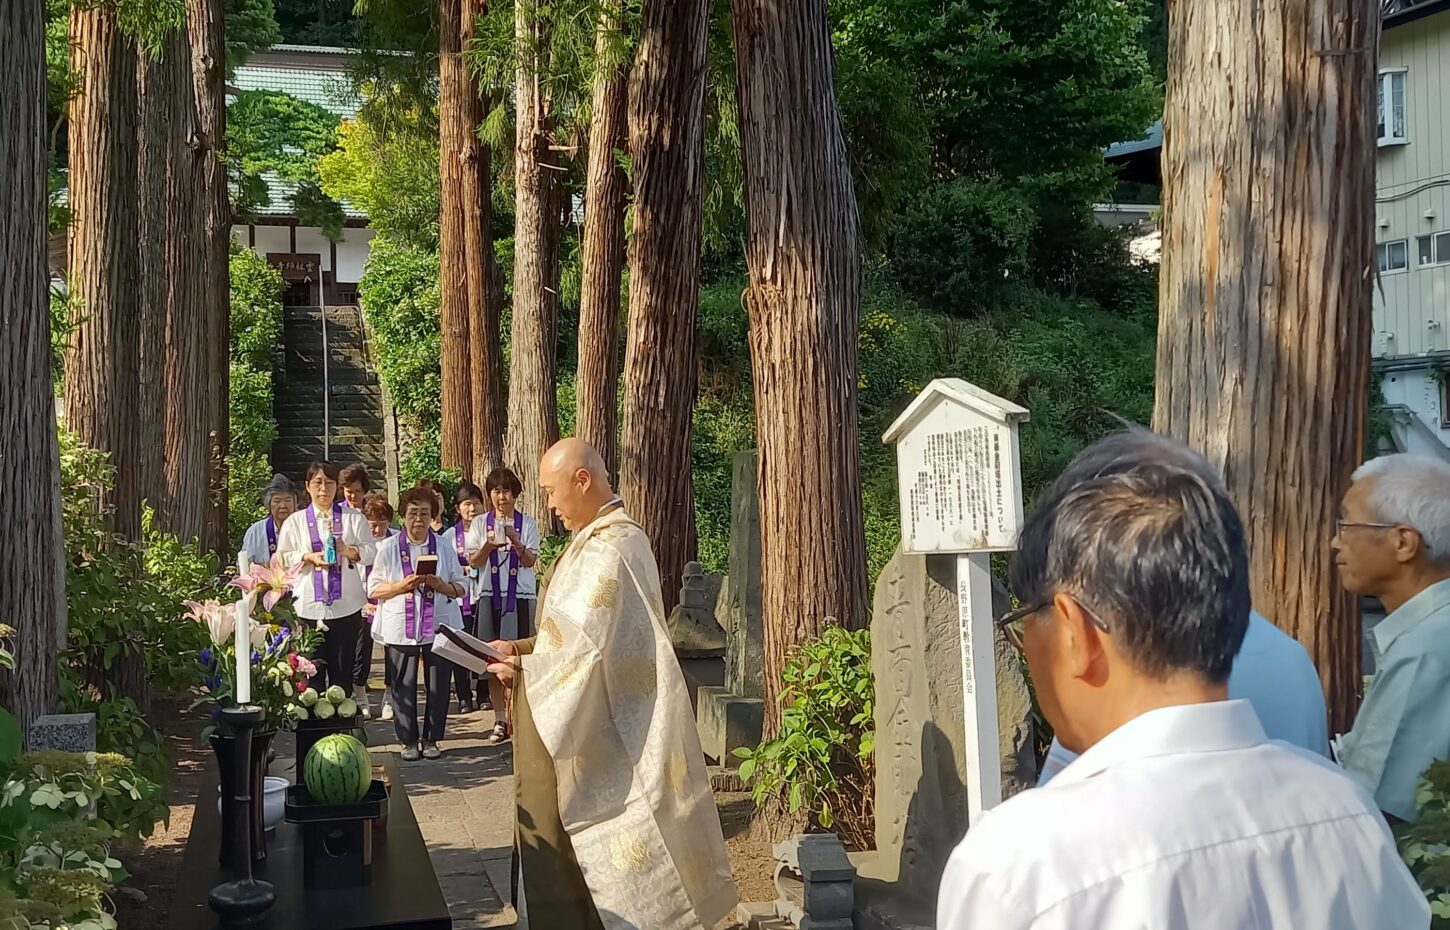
(571, 672)
(629, 853)
(603, 593)
(637, 678)
(550, 634)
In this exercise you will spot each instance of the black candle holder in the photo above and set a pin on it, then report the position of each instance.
(243, 901)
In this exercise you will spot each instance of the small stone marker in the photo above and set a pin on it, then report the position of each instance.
(959, 471)
(824, 896)
(63, 733)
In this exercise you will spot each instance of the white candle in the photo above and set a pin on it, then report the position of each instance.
(244, 563)
(244, 653)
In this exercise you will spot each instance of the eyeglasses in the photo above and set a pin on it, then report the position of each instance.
(1011, 626)
(1339, 525)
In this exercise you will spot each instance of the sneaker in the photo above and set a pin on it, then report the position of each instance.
(431, 751)
(465, 708)
(485, 705)
(387, 711)
(500, 733)
(411, 754)
(364, 706)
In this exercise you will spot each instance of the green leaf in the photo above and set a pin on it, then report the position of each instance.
(796, 795)
(11, 738)
(747, 770)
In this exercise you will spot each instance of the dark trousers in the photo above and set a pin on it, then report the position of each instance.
(403, 660)
(363, 663)
(470, 687)
(338, 653)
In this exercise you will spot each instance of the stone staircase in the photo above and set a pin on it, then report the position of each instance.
(356, 401)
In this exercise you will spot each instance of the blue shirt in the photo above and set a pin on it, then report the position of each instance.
(1404, 723)
(1274, 673)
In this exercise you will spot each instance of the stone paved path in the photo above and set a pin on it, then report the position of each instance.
(464, 803)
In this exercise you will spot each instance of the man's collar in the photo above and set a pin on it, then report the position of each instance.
(1185, 728)
(1411, 613)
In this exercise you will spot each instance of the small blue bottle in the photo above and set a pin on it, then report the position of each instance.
(329, 549)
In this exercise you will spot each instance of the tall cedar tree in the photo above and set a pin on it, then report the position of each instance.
(803, 296)
(32, 587)
(602, 257)
(1263, 338)
(485, 283)
(534, 422)
(667, 140)
(454, 131)
(208, 69)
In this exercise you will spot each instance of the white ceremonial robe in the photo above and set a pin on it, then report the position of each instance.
(610, 705)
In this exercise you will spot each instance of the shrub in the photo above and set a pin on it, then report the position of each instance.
(256, 330)
(821, 763)
(1425, 844)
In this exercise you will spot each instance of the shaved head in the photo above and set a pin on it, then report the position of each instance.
(574, 475)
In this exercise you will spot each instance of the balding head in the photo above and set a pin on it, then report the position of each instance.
(574, 476)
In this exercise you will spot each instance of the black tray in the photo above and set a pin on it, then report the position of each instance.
(301, 808)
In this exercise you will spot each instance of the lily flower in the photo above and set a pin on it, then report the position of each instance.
(220, 620)
(274, 581)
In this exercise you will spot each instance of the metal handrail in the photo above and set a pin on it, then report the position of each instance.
(326, 376)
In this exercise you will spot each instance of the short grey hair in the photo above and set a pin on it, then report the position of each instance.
(1413, 490)
(280, 484)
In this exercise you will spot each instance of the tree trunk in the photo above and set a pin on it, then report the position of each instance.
(534, 423)
(1264, 332)
(804, 301)
(153, 98)
(208, 68)
(101, 391)
(32, 588)
(667, 140)
(602, 256)
(485, 284)
(187, 429)
(454, 90)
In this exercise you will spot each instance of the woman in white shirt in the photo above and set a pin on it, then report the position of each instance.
(379, 514)
(260, 542)
(411, 608)
(329, 593)
(468, 502)
(504, 545)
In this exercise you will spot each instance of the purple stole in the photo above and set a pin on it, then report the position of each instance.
(334, 571)
(459, 539)
(410, 609)
(271, 537)
(368, 569)
(496, 561)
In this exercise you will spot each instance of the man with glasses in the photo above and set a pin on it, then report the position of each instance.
(1180, 813)
(1393, 542)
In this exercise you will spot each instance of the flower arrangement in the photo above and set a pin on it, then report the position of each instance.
(280, 646)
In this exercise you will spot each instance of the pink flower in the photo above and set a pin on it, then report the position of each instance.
(292, 660)
(301, 686)
(220, 620)
(273, 581)
(305, 667)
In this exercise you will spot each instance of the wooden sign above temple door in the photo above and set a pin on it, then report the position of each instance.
(302, 271)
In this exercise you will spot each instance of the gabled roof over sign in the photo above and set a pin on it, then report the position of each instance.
(961, 393)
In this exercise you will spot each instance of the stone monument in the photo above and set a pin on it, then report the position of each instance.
(953, 713)
(697, 638)
(731, 716)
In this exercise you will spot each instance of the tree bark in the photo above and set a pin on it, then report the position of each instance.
(1264, 332)
(32, 587)
(187, 428)
(454, 130)
(667, 140)
(208, 68)
(534, 423)
(153, 99)
(804, 302)
(602, 257)
(485, 283)
(101, 391)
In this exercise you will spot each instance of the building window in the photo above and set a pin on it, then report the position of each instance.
(1434, 249)
(1392, 130)
(1393, 256)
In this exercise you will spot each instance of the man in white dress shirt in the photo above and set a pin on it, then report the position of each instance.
(1180, 813)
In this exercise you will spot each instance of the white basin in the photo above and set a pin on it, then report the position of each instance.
(273, 804)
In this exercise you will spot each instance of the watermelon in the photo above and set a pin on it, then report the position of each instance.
(338, 770)
(336, 695)
(324, 710)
